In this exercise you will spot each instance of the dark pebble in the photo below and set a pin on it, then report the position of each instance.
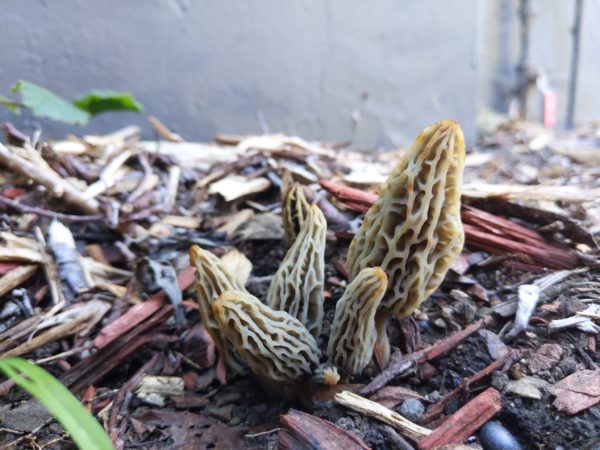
(412, 409)
(493, 436)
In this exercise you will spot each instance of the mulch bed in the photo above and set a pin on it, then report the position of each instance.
(115, 318)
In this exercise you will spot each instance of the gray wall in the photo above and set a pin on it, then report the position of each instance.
(308, 67)
(215, 66)
(550, 50)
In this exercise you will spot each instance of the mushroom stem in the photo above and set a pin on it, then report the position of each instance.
(382, 343)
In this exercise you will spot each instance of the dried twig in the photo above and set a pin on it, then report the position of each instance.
(17, 206)
(45, 176)
(438, 408)
(400, 364)
(464, 422)
(379, 412)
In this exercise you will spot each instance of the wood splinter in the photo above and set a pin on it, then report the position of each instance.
(380, 412)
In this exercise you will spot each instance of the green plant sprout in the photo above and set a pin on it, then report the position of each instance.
(44, 103)
(85, 430)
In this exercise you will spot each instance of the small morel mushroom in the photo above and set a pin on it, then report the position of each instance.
(353, 329)
(325, 375)
(212, 279)
(294, 211)
(297, 286)
(275, 345)
(413, 231)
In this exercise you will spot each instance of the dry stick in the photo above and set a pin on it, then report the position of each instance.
(401, 363)
(93, 368)
(380, 412)
(117, 403)
(348, 194)
(56, 293)
(56, 185)
(464, 422)
(145, 183)
(484, 231)
(48, 213)
(140, 313)
(16, 277)
(436, 409)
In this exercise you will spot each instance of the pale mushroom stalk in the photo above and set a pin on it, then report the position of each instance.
(212, 279)
(413, 231)
(297, 286)
(353, 330)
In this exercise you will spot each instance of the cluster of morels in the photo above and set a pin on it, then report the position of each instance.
(399, 256)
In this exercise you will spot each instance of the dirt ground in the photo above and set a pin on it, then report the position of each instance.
(217, 411)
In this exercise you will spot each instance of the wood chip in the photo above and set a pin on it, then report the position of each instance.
(191, 223)
(464, 422)
(577, 392)
(236, 186)
(380, 412)
(300, 430)
(16, 277)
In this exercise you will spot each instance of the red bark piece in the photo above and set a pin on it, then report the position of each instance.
(545, 358)
(577, 392)
(480, 292)
(464, 422)
(302, 431)
(6, 267)
(484, 231)
(13, 192)
(141, 312)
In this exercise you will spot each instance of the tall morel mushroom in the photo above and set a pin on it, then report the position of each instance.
(353, 329)
(297, 286)
(275, 345)
(294, 211)
(212, 279)
(413, 231)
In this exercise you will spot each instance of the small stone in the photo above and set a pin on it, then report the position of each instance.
(26, 417)
(346, 423)
(440, 323)
(499, 380)
(568, 365)
(527, 387)
(412, 409)
(493, 436)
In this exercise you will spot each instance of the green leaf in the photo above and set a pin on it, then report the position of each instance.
(44, 103)
(10, 104)
(84, 429)
(101, 100)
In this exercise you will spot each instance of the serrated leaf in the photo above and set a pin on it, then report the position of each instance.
(66, 409)
(102, 100)
(44, 103)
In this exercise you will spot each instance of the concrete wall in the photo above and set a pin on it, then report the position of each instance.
(335, 70)
(550, 50)
(308, 67)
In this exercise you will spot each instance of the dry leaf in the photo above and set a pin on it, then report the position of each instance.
(577, 392)
(238, 264)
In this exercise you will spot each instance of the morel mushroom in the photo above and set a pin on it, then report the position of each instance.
(275, 345)
(413, 231)
(294, 211)
(297, 287)
(212, 279)
(353, 329)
